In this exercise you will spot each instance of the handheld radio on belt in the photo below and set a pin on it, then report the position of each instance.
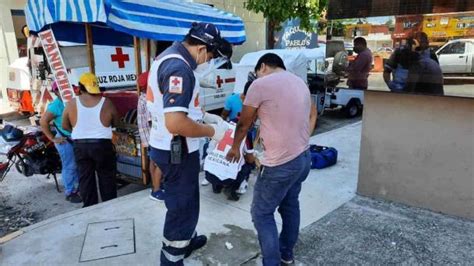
(178, 149)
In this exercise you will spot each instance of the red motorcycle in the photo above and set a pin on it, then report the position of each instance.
(30, 153)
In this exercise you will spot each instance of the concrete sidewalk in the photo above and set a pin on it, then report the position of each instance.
(61, 240)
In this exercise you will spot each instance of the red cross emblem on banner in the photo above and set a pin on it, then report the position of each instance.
(228, 140)
(120, 57)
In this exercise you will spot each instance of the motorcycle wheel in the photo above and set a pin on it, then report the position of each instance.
(4, 169)
(20, 166)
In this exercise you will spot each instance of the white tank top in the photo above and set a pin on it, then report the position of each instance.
(88, 124)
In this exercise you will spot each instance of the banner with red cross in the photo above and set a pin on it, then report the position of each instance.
(216, 163)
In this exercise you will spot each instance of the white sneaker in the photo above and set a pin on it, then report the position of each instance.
(243, 187)
(204, 182)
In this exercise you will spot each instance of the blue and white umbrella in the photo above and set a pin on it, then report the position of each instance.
(167, 20)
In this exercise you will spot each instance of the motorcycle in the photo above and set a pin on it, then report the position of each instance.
(31, 153)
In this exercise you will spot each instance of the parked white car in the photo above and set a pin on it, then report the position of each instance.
(457, 57)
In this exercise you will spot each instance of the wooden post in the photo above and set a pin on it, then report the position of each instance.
(138, 60)
(138, 70)
(90, 48)
(148, 54)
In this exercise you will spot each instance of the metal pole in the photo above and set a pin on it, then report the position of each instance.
(90, 48)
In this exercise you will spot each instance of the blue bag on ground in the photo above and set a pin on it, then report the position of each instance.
(322, 157)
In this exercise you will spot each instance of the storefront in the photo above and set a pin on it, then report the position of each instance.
(417, 142)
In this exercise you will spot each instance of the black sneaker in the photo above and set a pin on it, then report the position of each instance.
(74, 198)
(287, 261)
(216, 189)
(232, 195)
(196, 243)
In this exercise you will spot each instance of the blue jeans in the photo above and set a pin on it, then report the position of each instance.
(69, 173)
(279, 187)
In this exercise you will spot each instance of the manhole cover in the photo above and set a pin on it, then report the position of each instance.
(108, 239)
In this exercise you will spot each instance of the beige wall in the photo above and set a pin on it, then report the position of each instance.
(418, 150)
(8, 45)
(254, 26)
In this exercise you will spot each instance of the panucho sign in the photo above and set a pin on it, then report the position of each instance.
(56, 62)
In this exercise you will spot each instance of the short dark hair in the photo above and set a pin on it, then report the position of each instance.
(423, 39)
(247, 86)
(224, 48)
(194, 42)
(360, 40)
(271, 60)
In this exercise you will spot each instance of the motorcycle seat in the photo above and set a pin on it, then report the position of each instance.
(11, 133)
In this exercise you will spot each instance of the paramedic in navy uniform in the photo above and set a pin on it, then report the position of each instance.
(173, 101)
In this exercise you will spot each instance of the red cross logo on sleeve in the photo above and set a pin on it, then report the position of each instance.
(120, 57)
(228, 140)
(175, 81)
(176, 85)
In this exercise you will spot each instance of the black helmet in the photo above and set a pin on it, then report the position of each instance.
(11, 133)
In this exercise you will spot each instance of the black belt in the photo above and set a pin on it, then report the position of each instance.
(86, 141)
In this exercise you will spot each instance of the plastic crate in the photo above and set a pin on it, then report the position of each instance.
(132, 160)
(129, 170)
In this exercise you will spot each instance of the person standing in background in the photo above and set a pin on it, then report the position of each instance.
(144, 125)
(63, 143)
(358, 70)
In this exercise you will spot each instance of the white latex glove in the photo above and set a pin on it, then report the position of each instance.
(212, 146)
(212, 119)
(219, 130)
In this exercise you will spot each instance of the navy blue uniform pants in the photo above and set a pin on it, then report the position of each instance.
(181, 185)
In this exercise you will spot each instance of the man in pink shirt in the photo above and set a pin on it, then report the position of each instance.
(282, 102)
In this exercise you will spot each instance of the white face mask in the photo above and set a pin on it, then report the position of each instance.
(200, 69)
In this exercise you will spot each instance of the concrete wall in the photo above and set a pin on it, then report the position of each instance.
(255, 26)
(8, 45)
(418, 150)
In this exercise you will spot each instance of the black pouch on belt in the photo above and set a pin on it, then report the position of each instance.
(178, 149)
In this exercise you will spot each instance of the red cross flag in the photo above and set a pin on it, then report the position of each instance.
(176, 85)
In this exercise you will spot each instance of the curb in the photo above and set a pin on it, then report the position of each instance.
(11, 236)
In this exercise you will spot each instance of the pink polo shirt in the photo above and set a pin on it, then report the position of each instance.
(284, 104)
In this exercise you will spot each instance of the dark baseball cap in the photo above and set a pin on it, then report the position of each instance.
(206, 33)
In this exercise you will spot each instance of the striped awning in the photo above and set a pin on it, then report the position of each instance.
(41, 13)
(170, 20)
(166, 20)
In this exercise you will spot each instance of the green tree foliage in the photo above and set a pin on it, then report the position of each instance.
(278, 11)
